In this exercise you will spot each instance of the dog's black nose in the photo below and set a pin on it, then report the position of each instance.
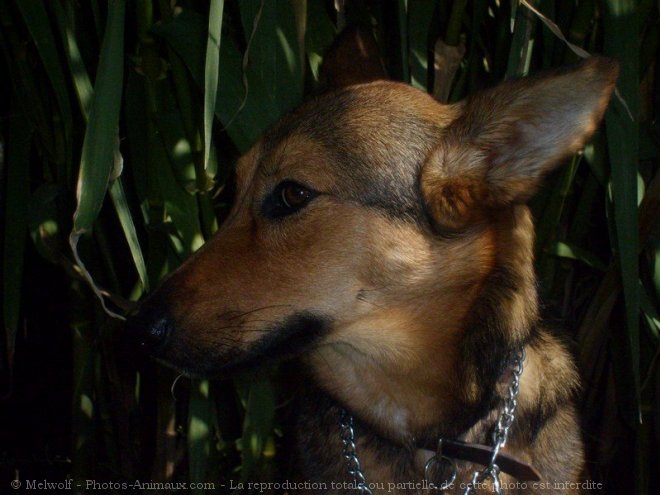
(149, 327)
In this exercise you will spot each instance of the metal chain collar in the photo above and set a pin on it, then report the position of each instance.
(499, 438)
(350, 454)
(501, 431)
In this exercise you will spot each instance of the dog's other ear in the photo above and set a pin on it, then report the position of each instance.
(353, 58)
(505, 139)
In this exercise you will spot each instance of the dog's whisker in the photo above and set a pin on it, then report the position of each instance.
(173, 387)
(245, 313)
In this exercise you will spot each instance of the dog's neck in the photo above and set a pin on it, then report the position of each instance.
(384, 458)
(453, 392)
(421, 416)
(387, 457)
(407, 390)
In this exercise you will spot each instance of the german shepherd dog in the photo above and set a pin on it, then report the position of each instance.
(382, 241)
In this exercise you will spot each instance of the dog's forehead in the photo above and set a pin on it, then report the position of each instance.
(370, 139)
(378, 117)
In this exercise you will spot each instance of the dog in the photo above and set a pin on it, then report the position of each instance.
(382, 241)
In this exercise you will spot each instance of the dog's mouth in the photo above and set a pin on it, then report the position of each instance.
(222, 355)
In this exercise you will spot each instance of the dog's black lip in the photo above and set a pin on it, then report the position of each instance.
(297, 334)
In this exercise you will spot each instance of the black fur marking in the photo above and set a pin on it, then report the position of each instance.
(288, 339)
(281, 341)
(533, 421)
(487, 344)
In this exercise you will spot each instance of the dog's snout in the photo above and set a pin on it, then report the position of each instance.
(149, 327)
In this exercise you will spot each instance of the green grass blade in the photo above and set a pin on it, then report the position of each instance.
(200, 432)
(656, 271)
(274, 59)
(211, 71)
(420, 15)
(137, 124)
(259, 415)
(38, 22)
(22, 74)
(43, 222)
(320, 33)
(180, 207)
(650, 313)
(79, 75)
(170, 127)
(549, 223)
(402, 25)
(595, 155)
(96, 160)
(120, 203)
(300, 16)
(522, 43)
(98, 18)
(566, 250)
(621, 41)
(452, 37)
(83, 406)
(186, 33)
(85, 93)
(98, 150)
(16, 221)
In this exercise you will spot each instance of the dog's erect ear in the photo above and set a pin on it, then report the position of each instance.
(505, 139)
(353, 58)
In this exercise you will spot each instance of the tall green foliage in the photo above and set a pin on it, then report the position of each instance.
(125, 118)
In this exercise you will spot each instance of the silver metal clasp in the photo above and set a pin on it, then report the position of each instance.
(440, 471)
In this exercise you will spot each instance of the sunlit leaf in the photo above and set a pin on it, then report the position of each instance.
(211, 72)
(99, 146)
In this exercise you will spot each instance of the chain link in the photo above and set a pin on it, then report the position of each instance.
(350, 453)
(501, 431)
(499, 438)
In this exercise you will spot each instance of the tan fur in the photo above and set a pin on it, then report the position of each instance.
(416, 252)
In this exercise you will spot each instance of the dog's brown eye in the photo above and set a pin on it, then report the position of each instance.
(287, 198)
(294, 195)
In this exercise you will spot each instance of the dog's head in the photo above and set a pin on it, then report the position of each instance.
(366, 224)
